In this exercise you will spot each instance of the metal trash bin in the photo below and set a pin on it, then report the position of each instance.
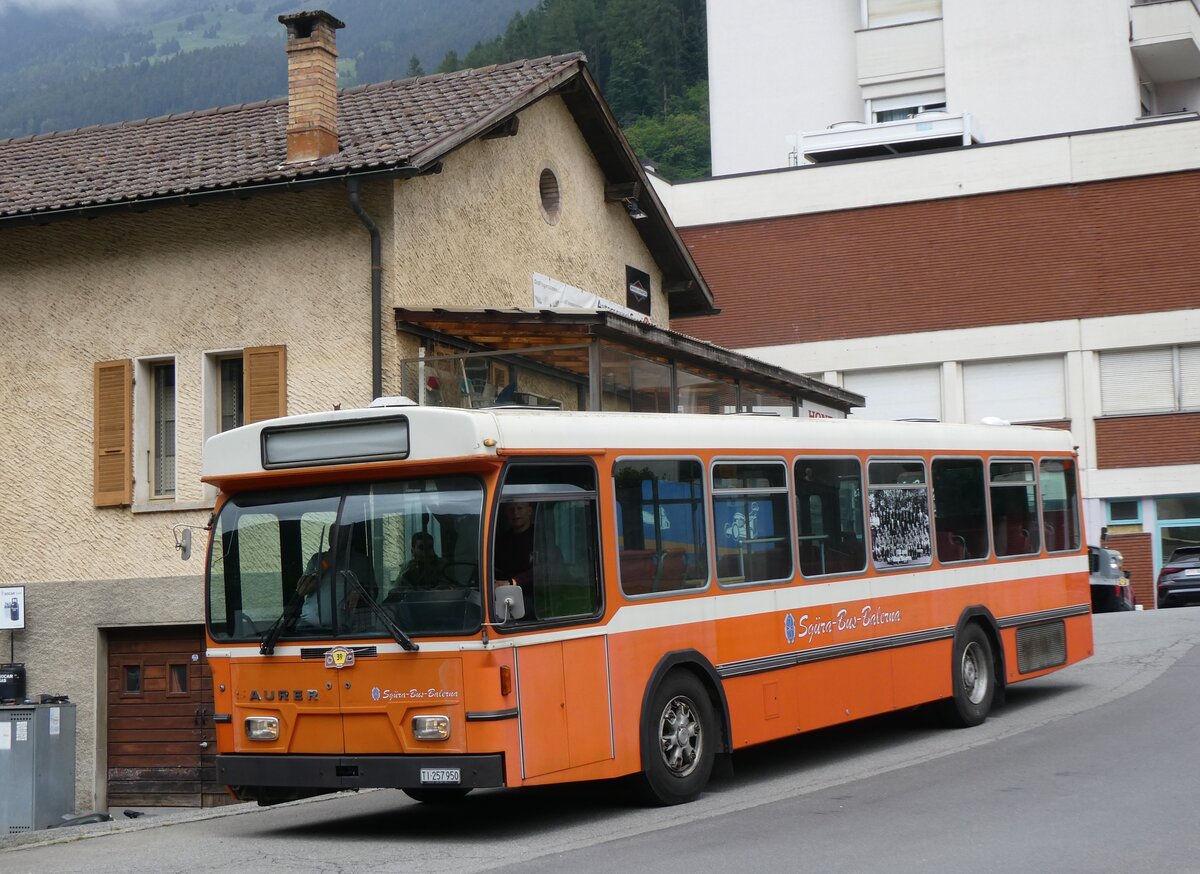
(37, 766)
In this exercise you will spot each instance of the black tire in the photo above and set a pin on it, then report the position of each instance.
(436, 794)
(973, 674)
(679, 740)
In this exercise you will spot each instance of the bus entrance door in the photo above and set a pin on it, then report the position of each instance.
(566, 716)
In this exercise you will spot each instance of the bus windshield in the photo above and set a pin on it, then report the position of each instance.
(314, 558)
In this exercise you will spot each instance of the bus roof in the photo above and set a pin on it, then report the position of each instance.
(418, 433)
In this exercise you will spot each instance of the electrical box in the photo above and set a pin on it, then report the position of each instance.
(37, 766)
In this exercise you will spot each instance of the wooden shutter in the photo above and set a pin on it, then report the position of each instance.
(265, 382)
(112, 455)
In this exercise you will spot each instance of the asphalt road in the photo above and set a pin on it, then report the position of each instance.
(1091, 769)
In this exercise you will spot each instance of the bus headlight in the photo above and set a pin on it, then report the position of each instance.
(262, 728)
(431, 727)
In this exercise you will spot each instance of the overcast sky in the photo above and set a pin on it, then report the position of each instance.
(99, 8)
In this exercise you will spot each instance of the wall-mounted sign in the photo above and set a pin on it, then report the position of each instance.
(637, 290)
(12, 607)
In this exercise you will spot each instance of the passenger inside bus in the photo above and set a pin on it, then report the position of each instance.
(326, 578)
(426, 569)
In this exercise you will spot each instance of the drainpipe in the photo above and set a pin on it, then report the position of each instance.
(352, 188)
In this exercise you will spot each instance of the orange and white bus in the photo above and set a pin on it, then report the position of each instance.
(438, 599)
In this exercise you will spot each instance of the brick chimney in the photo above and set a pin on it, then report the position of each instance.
(312, 130)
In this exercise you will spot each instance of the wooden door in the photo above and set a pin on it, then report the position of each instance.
(161, 743)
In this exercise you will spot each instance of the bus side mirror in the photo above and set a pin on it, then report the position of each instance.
(509, 604)
(183, 542)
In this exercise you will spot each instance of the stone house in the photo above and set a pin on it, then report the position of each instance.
(162, 280)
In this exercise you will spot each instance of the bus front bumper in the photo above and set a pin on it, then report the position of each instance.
(333, 773)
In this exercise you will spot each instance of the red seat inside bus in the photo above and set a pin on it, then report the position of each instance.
(645, 570)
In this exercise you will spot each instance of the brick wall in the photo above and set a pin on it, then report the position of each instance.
(1148, 441)
(1139, 564)
(1062, 252)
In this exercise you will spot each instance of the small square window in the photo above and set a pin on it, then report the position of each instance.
(177, 679)
(131, 679)
(1124, 512)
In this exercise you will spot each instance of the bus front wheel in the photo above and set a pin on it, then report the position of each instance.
(679, 740)
(974, 677)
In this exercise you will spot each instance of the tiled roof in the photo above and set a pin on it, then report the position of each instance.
(409, 122)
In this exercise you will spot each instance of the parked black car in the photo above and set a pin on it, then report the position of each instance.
(1179, 579)
(1111, 591)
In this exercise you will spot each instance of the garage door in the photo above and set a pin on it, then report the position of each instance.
(161, 745)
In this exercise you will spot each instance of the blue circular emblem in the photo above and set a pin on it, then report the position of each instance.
(375, 694)
(789, 628)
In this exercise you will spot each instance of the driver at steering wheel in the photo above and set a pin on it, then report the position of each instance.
(426, 569)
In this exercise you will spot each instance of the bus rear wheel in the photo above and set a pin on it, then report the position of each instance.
(679, 740)
(974, 677)
(436, 794)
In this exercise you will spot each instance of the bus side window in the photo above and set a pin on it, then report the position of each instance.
(898, 500)
(547, 539)
(829, 513)
(1060, 505)
(662, 541)
(751, 521)
(960, 509)
(1015, 528)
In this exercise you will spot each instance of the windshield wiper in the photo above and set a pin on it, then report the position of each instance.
(285, 622)
(394, 630)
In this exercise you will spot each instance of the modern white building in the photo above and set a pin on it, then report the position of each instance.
(797, 81)
(997, 224)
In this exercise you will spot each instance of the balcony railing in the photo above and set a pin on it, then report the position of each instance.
(935, 129)
(1165, 38)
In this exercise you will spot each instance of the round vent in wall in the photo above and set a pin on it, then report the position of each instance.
(548, 193)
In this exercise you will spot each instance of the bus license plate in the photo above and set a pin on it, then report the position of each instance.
(441, 775)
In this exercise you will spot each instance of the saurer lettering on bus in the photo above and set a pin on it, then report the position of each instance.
(296, 695)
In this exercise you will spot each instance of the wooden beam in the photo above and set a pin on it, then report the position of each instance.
(621, 191)
(506, 128)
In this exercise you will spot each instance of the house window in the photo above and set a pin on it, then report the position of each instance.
(1161, 380)
(162, 431)
(1125, 512)
(131, 679)
(906, 106)
(886, 13)
(177, 679)
(242, 386)
(230, 394)
(134, 416)
(1016, 389)
(898, 393)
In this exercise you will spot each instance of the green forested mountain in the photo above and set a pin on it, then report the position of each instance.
(649, 56)
(67, 66)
